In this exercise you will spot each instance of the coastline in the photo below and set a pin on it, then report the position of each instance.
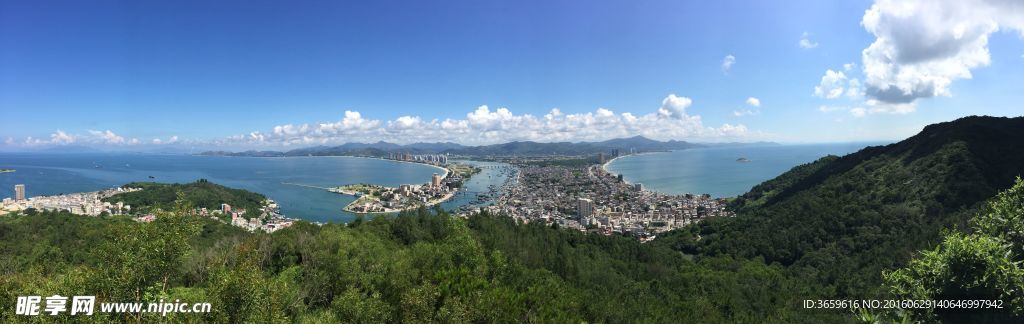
(446, 197)
(604, 166)
(399, 210)
(338, 156)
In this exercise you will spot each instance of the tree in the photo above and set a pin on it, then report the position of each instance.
(984, 265)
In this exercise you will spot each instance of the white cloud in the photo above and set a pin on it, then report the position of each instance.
(825, 108)
(873, 107)
(60, 138)
(9, 141)
(754, 102)
(674, 106)
(832, 85)
(745, 112)
(484, 125)
(921, 47)
(727, 63)
(805, 41)
(848, 67)
(171, 140)
(106, 137)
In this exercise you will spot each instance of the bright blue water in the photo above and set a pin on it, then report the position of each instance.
(49, 174)
(715, 170)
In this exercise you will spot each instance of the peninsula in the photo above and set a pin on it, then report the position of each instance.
(382, 199)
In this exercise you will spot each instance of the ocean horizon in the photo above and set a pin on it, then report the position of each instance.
(717, 170)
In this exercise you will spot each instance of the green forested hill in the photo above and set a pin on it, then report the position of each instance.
(840, 221)
(201, 194)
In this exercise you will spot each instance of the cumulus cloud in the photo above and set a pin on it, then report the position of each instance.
(107, 137)
(921, 47)
(485, 125)
(173, 139)
(754, 102)
(805, 41)
(674, 106)
(745, 112)
(832, 85)
(727, 63)
(60, 138)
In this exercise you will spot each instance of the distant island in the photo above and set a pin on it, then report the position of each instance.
(634, 144)
(7, 170)
(742, 160)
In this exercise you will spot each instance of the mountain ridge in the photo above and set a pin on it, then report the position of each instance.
(381, 148)
(843, 220)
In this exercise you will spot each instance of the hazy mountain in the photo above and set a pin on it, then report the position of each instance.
(624, 145)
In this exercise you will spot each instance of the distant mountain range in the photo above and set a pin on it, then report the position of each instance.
(524, 148)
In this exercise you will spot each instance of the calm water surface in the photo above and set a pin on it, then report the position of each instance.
(50, 174)
(715, 170)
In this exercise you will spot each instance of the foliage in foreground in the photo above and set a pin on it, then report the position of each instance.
(982, 265)
(422, 266)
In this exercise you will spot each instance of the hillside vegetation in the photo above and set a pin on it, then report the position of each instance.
(201, 194)
(919, 219)
(840, 221)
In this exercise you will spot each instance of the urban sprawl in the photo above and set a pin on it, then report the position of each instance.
(583, 196)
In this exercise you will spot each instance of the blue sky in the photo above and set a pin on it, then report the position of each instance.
(252, 73)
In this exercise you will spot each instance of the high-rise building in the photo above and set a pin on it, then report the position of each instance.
(600, 158)
(435, 181)
(19, 192)
(615, 152)
(225, 208)
(638, 187)
(585, 208)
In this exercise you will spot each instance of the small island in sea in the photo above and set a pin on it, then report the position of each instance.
(6, 170)
(742, 160)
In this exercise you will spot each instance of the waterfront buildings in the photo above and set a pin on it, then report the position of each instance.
(19, 192)
(83, 203)
(588, 198)
(437, 159)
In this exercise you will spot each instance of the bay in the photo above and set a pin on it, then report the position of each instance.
(51, 174)
(716, 171)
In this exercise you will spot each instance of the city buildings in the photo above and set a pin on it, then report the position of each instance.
(83, 203)
(19, 192)
(588, 198)
(585, 208)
